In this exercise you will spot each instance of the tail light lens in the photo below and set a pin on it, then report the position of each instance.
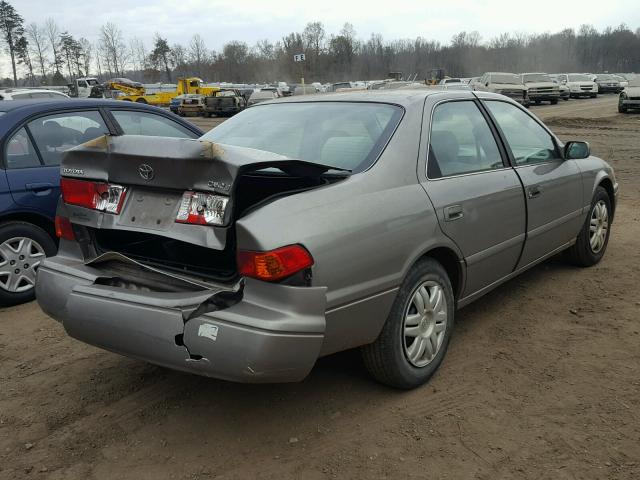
(64, 229)
(202, 209)
(101, 196)
(275, 264)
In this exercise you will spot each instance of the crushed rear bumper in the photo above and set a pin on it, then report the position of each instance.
(273, 333)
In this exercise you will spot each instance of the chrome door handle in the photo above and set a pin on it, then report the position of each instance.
(453, 212)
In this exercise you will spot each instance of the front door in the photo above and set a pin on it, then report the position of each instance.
(478, 198)
(553, 186)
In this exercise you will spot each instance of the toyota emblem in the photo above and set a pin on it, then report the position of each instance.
(146, 172)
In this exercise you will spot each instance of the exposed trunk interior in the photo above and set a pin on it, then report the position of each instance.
(169, 254)
(254, 189)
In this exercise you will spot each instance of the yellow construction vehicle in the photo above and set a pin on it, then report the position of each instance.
(434, 76)
(135, 92)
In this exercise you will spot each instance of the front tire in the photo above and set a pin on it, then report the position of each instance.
(593, 238)
(621, 106)
(23, 247)
(416, 335)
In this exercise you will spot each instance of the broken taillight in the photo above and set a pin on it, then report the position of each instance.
(101, 196)
(64, 229)
(202, 208)
(275, 264)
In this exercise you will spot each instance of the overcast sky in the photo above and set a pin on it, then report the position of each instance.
(251, 20)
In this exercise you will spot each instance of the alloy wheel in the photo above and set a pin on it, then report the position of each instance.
(425, 322)
(20, 258)
(598, 226)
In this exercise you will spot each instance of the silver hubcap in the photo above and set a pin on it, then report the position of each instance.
(598, 226)
(425, 322)
(20, 258)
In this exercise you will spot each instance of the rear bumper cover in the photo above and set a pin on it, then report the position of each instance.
(274, 334)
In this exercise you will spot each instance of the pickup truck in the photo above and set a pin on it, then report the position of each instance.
(226, 102)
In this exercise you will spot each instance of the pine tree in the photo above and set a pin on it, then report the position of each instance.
(11, 31)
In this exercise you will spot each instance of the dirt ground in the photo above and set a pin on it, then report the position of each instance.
(541, 381)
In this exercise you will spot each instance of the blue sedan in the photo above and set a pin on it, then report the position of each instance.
(33, 138)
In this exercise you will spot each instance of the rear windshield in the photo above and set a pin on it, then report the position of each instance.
(340, 134)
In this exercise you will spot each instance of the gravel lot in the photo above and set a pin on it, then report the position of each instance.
(542, 380)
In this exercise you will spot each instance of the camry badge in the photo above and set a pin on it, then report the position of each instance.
(146, 172)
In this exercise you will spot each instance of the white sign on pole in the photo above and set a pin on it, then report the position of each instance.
(299, 57)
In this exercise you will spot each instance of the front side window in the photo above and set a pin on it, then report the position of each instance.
(528, 140)
(144, 123)
(338, 134)
(461, 141)
(20, 152)
(55, 134)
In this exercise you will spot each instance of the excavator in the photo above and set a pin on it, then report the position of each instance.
(129, 91)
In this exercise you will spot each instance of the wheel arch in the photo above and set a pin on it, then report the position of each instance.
(607, 184)
(36, 219)
(451, 261)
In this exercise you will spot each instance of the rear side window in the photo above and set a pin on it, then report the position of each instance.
(55, 134)
(529, 142)
(338, 134)
(20, 152)
(144, 123)
(461, 141)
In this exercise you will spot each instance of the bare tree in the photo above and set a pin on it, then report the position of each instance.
(197, 53)
(38, 44)
(113, 49)
(52, 32)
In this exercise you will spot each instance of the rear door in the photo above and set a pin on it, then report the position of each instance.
(34, 152)
(553, 186)
(478, 198)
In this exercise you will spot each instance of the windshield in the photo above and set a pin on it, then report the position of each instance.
(579, 78)
(505, 78)
(339, 134)
(92, 81)
(604, 76)
(535, 77)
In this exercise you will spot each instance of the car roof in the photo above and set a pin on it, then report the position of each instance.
(402, 97)
(51, 104)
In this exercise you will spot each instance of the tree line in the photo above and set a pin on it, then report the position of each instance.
(46, 54)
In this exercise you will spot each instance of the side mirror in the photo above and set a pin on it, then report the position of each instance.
(486, 84)
(576, 150)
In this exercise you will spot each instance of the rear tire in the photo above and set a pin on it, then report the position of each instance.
(554, 101)
(593, 238)
(141, 100)
(398, 358)
(10, 260)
